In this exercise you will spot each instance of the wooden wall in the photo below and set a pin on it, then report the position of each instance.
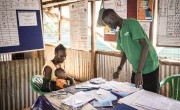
(5, 57)
(78, 65)
(15, 89)
(107, 64)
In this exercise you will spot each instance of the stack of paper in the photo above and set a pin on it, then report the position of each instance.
(86, 86)
(119, 86)
(120, 93)
(59, 92)
(150, 101)
(105, 104)
(98, 80)
(106, 86)
(78, 99)
(103, 97)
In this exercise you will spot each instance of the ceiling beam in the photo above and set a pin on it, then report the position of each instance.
(45, 5)
(60, 3)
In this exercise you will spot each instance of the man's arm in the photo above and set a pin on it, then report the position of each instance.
(123, 60)
(46, 79)
(138, 77)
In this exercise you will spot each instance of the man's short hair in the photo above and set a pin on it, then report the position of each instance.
(60, 47)
(107, 12)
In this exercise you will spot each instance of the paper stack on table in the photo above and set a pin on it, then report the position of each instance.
(119, 86)
(145, 100)
(86, 86)
(103, 98)
(106, 86)
(98, 80)
(78, 99)
(104, 104)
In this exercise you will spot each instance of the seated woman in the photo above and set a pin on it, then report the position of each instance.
(63, 80)
(49, 80)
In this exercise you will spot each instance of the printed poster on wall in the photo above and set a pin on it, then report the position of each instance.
(145, 10)
(9, 35)
(120, 7)
(146, 27)
(79, 25)
(169, 23)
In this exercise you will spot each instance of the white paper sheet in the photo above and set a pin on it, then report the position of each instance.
(27, 4)
(119, 86)
(146, 26)
(78, 99)
(169, 26)
(105, 96)
(105, 104)
(98, 80)
(86, 86)
(79, 25)
(146, 100)
(27, 18)
(120, 7)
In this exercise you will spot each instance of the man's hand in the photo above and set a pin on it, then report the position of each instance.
(116, 75)
(138, 79)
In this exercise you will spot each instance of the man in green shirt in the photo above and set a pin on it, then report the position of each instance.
(135, 46)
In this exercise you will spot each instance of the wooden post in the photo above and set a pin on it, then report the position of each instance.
(93, 13)
(60, 24)
(155, 22)
(151, 37)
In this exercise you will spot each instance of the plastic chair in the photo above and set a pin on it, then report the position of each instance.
(174, 86)
(36, 84)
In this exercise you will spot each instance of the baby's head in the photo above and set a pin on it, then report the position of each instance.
(60, 73)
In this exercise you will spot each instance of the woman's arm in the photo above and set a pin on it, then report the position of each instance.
(46, 79)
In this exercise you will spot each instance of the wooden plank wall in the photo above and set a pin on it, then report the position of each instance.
(15, 89)
(49, 52)
(77, 64)
(5, 57)
(107, 64)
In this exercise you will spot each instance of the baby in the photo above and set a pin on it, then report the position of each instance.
(63, 80)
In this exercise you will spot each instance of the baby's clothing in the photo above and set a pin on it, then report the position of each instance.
(60, 82)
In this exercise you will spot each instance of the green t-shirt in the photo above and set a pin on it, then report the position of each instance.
(128, 42)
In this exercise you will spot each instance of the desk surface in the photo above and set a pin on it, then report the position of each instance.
(143, 100)
(56, 102)
(136, 100)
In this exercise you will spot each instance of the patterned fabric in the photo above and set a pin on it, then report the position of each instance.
(42, 103)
